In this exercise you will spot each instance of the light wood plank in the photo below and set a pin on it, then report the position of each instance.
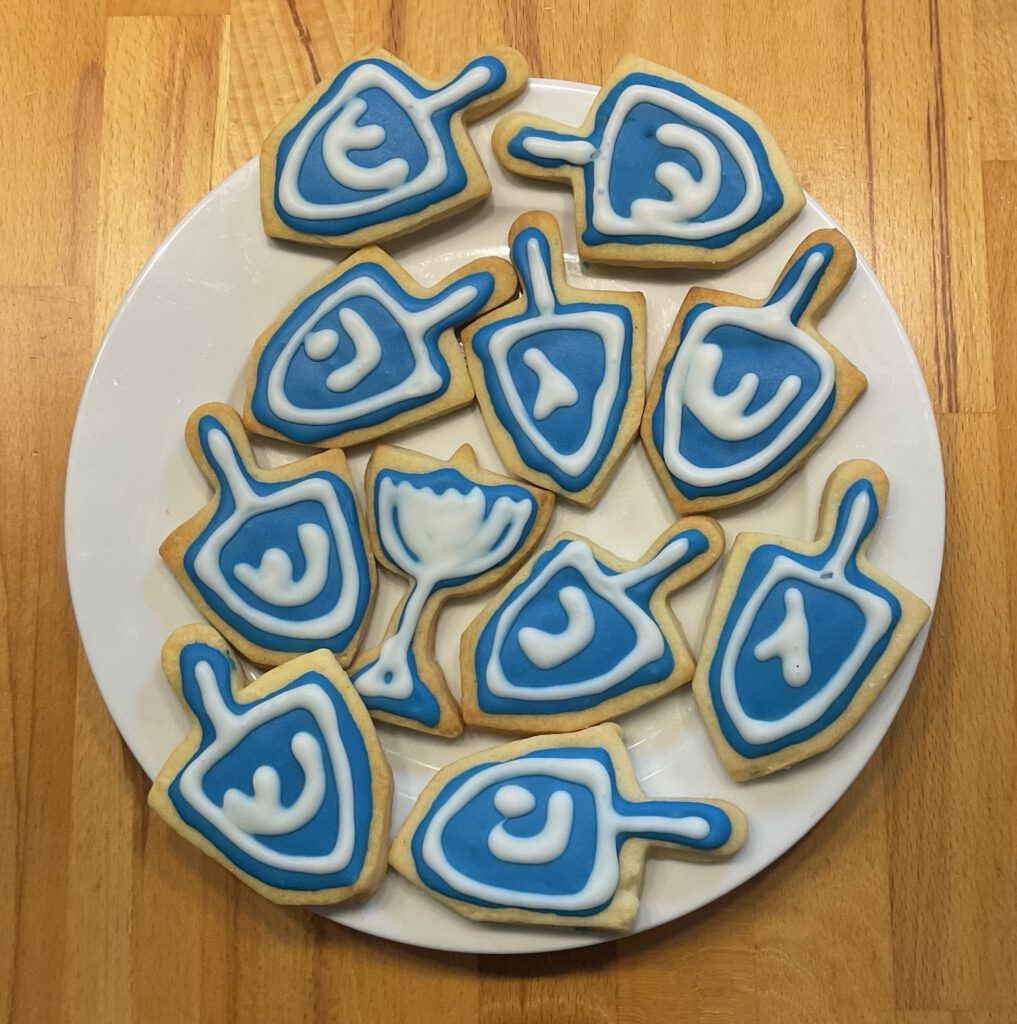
(51, 90)
(996, 68)
(574, 987)
(927, 210)
(951, 760)
(41, 385)
(165, 8)
(163, 138)
(701, 968)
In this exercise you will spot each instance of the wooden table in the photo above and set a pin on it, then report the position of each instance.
(901, 118)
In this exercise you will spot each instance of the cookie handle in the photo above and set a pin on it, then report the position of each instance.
(547, 148)
(696, 825)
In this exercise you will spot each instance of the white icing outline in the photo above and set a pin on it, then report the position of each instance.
(649, 641)
(607, 326)
(670, 218)
(435, 537)
(423, 380)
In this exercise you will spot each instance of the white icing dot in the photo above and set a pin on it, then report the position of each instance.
(513, 801)
(321, 344)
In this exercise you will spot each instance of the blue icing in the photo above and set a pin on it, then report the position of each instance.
(267, 743)
(277, 528)
(573, 349)
(613, 640)
(637, 154)
(396, 663)
(421, 705)
(464, 839)
(771, 360)
(304, 376)
(835, 626)
(403, 140)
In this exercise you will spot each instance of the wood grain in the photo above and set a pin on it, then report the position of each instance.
(901, 118)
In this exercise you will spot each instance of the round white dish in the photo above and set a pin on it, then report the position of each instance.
(182, 337)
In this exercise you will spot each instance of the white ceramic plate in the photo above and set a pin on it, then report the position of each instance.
(182, 337)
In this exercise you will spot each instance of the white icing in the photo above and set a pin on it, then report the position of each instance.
(435, 537)
(691, 384)
(274, 581)
(554, 389)
(513, 801)
(602, 882)
(320, 345)
(647, 646)
(573, 151)
(343, 136)
(789, 641)
(549, 650)
(264, 813)
(611, 330)
(544, 847)
(673, 217)
(421, 381)
(366, 352)
(831, 576)
(242, 818)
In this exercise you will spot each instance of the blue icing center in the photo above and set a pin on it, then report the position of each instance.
(567, 426)
(269, 744)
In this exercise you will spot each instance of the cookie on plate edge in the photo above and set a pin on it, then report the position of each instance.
(282, 780)
(746, 389)
(802, 636)
(664, 171)
(377, 151)
(277, 559)
(552, 830)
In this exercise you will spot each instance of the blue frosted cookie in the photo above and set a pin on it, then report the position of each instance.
(664, 171)
(552, 830)
(579, 635)
(366, 350)
(746, 389)
(277, 560)
(560, 371)
(281, 780)
(802, 636)
(376, 150)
